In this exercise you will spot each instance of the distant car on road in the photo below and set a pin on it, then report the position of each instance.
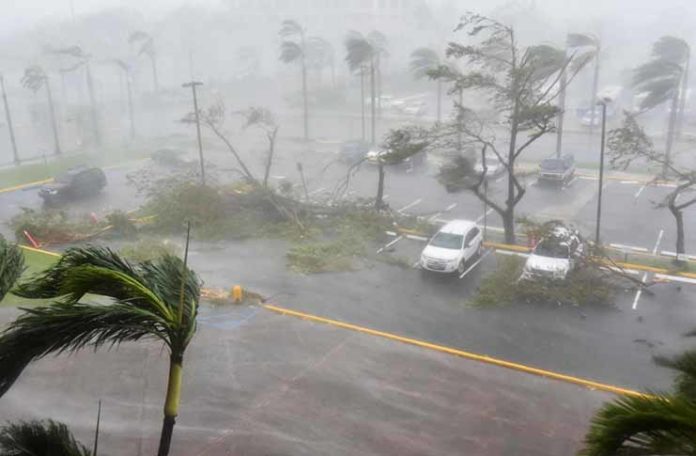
(351, 152)
(559, 170)
(555, 255)
(453, 247)
(76, 183)
(494, 167)
(412, 162)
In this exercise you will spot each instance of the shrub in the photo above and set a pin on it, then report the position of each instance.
(148, 250)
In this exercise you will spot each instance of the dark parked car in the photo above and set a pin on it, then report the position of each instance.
(559, 170)
(76, 183)
(352, 152)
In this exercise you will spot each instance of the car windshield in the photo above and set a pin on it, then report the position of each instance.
(552, 249)
(552, 164)
(447, 241)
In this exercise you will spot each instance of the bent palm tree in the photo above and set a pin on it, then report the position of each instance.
(363, 52)
(147, 47)
(34, 78)
(39, 438)
(294, 50)
(157, 299)
(11, 266)
(423, 62)
(649, 425)
(663, 79)
(589, 48)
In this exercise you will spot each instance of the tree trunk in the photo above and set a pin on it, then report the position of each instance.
(379, 88)
(52, 113)
(682, 95)
(439, 100)
(509, 225)
(362, 99)
(155, 81)
(93, 106)
(561, 114)
(460, 121)
(8, 117)
(304, 100)
(171, 406)
(671, 126)
(595, 88)
(373, 104)
(130, 107)
(509, 216)
(269, 160)
(679, 219)
(379, 201)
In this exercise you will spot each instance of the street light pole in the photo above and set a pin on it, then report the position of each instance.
(193, 85)
(603, 103)
(9, 121)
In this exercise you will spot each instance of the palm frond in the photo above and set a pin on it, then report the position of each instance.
(671, 49)
(359, 51)
(62, 327)
(685, 365)
(39, 438)
(544, 60)
(33, 78)
(643, 426)
(290, 28)
(11, 266)
(378, 41)
(581, 40)
(290, 52)
(423, 60)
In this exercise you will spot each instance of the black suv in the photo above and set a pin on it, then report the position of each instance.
(559, 170)
(76, 183)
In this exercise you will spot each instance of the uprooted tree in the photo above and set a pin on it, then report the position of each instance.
(630, 143)
(521, 83)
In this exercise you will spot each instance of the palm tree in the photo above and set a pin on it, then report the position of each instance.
(123, 66)
(363, 53)
(40, 438)
(34, 78)
(320, 54)
(11, 266)
(157, 299)
(423, 62)
(147, 47)
(662, 79)
(589, 48)
(379, 42)
(663, 424)
(293, 49)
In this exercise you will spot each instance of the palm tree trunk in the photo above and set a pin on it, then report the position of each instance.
(683, 94)
(155, 81)
(671, 126)
(130, 106)
(379, 201)
(52, 113)
(561, 113)
(362, 99)
(8, 117)
(304, 100)
(372, 101)
(460, 121)
(171, 406)
(595, 88)
(509, 215)
(379, 88)
(439, 101)
(93, 106)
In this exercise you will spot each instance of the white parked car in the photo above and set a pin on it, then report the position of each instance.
(494, 167)
(452, 247)
(554, 256)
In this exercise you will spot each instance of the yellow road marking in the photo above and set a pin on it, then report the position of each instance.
(45, 252)
(30, 184)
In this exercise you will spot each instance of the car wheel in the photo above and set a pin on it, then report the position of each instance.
(462, 267)
(479, 251)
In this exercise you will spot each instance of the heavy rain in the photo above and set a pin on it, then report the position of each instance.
(355, 227)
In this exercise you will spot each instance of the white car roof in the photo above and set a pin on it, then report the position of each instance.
(458, 227)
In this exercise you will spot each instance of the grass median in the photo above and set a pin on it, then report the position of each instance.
(35, 263)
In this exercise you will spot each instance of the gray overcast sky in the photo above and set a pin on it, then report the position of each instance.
(24, 13)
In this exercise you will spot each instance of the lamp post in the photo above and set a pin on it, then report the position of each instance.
(193, 85)
(603, 102)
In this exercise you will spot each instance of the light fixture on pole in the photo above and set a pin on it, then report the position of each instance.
(193, 85)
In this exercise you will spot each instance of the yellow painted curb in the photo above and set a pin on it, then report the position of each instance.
(512, 247)
(463, 354)
(45, 252)
(30, 184)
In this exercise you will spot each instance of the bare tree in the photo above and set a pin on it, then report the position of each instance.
(264, 120)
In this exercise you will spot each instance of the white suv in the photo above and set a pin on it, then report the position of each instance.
(452, 247)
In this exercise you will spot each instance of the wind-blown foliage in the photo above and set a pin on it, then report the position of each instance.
(293, 49)
(34, 78)
(154, 299)
(39, 438)
(11, 266)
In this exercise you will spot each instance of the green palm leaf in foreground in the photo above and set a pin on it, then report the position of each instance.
(11, 266)
(39, 438)
(149, 299)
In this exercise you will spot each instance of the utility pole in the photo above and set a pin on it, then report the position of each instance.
(193, 85)
(603, 103)
(9, 121)
(561, 112)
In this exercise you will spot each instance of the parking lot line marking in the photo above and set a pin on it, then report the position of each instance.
(672, 278)
(488, 212)
(640, 190)
(278, 177)
(450, 207)
(410, 205)
(630, 182)
(506, 252)
(382, 249)
(639, 292)
(571, 182)
(674, 254)
(629, 247)
(485, 254)
(657, 244)
(591, 384)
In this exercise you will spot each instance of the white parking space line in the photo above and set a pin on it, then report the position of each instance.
(485, 254)
(640, 190)
(487, 213)
(278, 177)
(571, 182)
(509, 253)
(671, 278)
(450, 207)
(587, 178)
(382, 249)
(639, 292)
(657, 244)
(630, 182)
(435, 216)
(410, 205)
(674, 254)
(629, 247)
